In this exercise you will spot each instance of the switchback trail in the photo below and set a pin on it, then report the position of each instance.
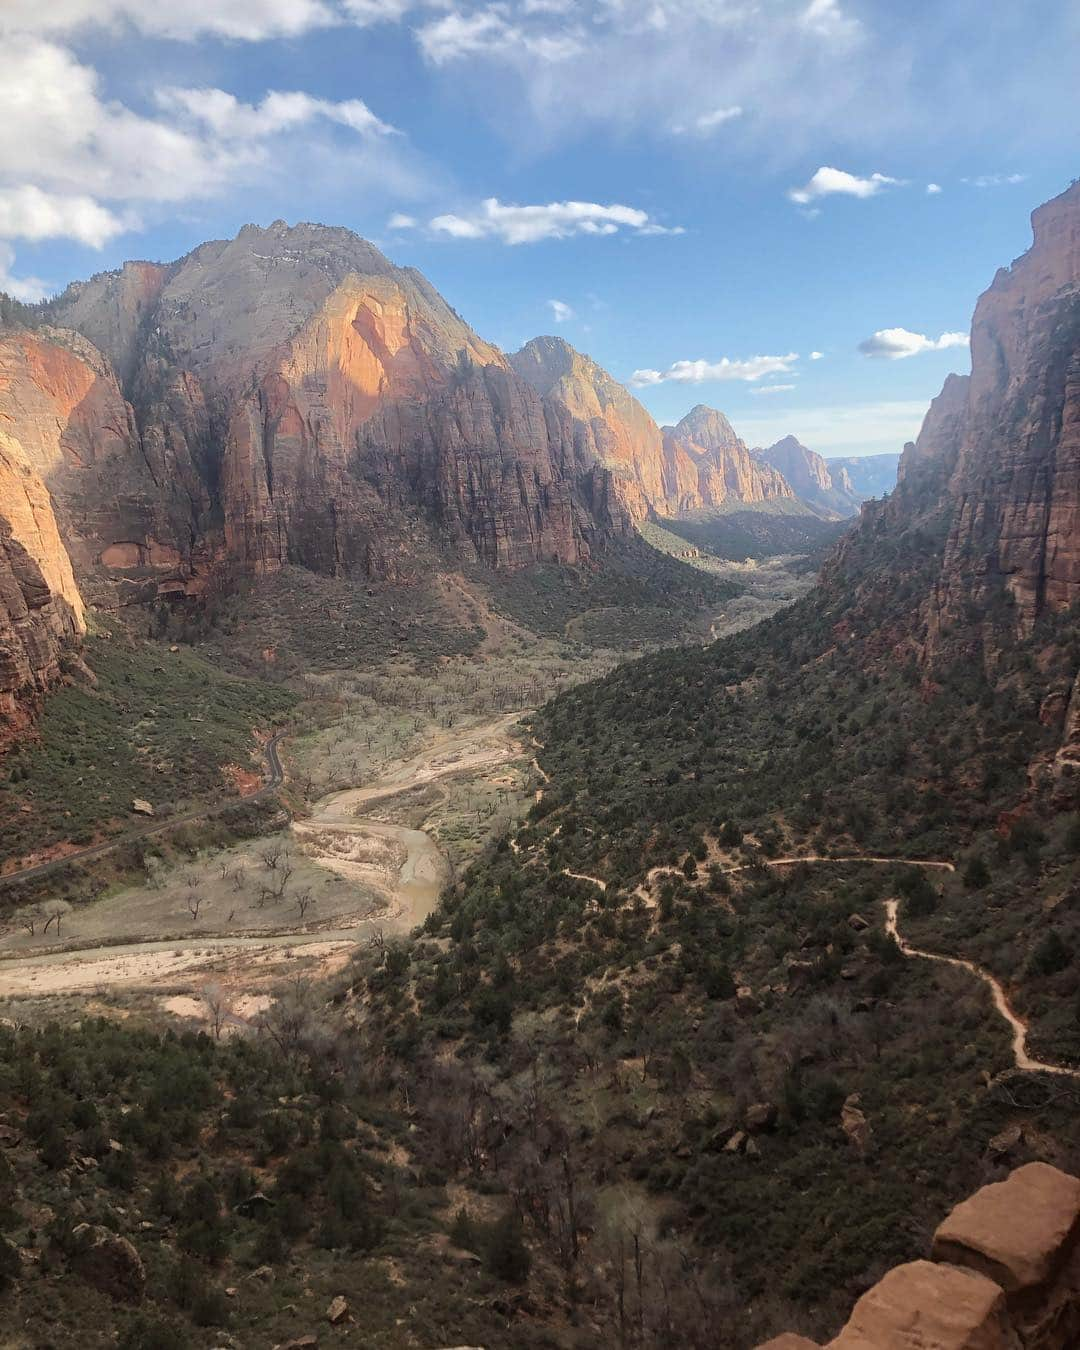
(1019, 1028)
(653, 873)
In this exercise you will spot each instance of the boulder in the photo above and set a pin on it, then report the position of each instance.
(854, 1123)
(736, 1143)
(142, 808)
(760, 1116)
(858, 923)
(338, 1311)
(924, 1306)
(1018, 1231)
(108, 1262)
(1006, 1142)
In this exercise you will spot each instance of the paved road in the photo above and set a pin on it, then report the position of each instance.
(275, 778)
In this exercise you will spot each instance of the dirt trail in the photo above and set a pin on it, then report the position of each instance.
(1018, 1026)
(645, 894)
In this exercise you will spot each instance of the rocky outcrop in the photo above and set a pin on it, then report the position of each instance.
(1004, 1275)
(708, 466)
(811, 479)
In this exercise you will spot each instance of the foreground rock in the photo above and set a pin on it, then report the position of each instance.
(929, 1307)
(1005, 1275)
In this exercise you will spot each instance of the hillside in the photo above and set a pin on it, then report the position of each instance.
(772, 1065)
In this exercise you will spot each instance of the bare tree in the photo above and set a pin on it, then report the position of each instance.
(284, 874)
(30, 917)
(304, 899)
(218, 1007)
(271, 857)
(239, 879)
(57, 910)
(194, 902)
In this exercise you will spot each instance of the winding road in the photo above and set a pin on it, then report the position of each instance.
(275, 776)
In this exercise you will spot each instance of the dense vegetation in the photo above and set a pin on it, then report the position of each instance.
(632, 596)
(152, 723)
(169, 1192)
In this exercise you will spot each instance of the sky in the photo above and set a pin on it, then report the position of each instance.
(785, 209)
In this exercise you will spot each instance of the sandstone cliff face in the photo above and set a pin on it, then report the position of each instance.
(41, 611)
(628, 441)
(308, 402)
(711, 466)
(811, 479)
(1015, 486)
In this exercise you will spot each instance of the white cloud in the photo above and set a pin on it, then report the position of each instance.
(28, 213)
(701, 372)
(816, 356)
(709, 121)
(490, 33)
(774, 389)
(828, 181)
(244, 20)
(27, 289)
(231, 120)
(364, 12)
(895, 344)
(561, 310)
(73, 162)
(992, 180)
(400, 221)
(826, 18)
(932, 189)
(556, 220)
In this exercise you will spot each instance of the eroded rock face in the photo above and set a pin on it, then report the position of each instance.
(320, 406)
(709, 466)
(1016, 481)
(811, 478)
(41, 610)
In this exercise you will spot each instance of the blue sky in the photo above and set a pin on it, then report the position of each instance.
(749, 180)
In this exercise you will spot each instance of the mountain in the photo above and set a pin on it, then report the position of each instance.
(715, 465)
(811, 479)
(698, 465)
(627, 440)
(864, 476)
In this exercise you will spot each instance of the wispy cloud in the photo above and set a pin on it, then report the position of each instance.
(709, 121)
(773, 389)
(992, 180)
(896, 344)
(932, 189)
(702, 372)
(27, 289)
(560, 310)
(400, 221)
(828, 181)
(556, 220)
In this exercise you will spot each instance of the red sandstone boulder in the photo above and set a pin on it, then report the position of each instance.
(923, 1306)
(1018, 1231)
